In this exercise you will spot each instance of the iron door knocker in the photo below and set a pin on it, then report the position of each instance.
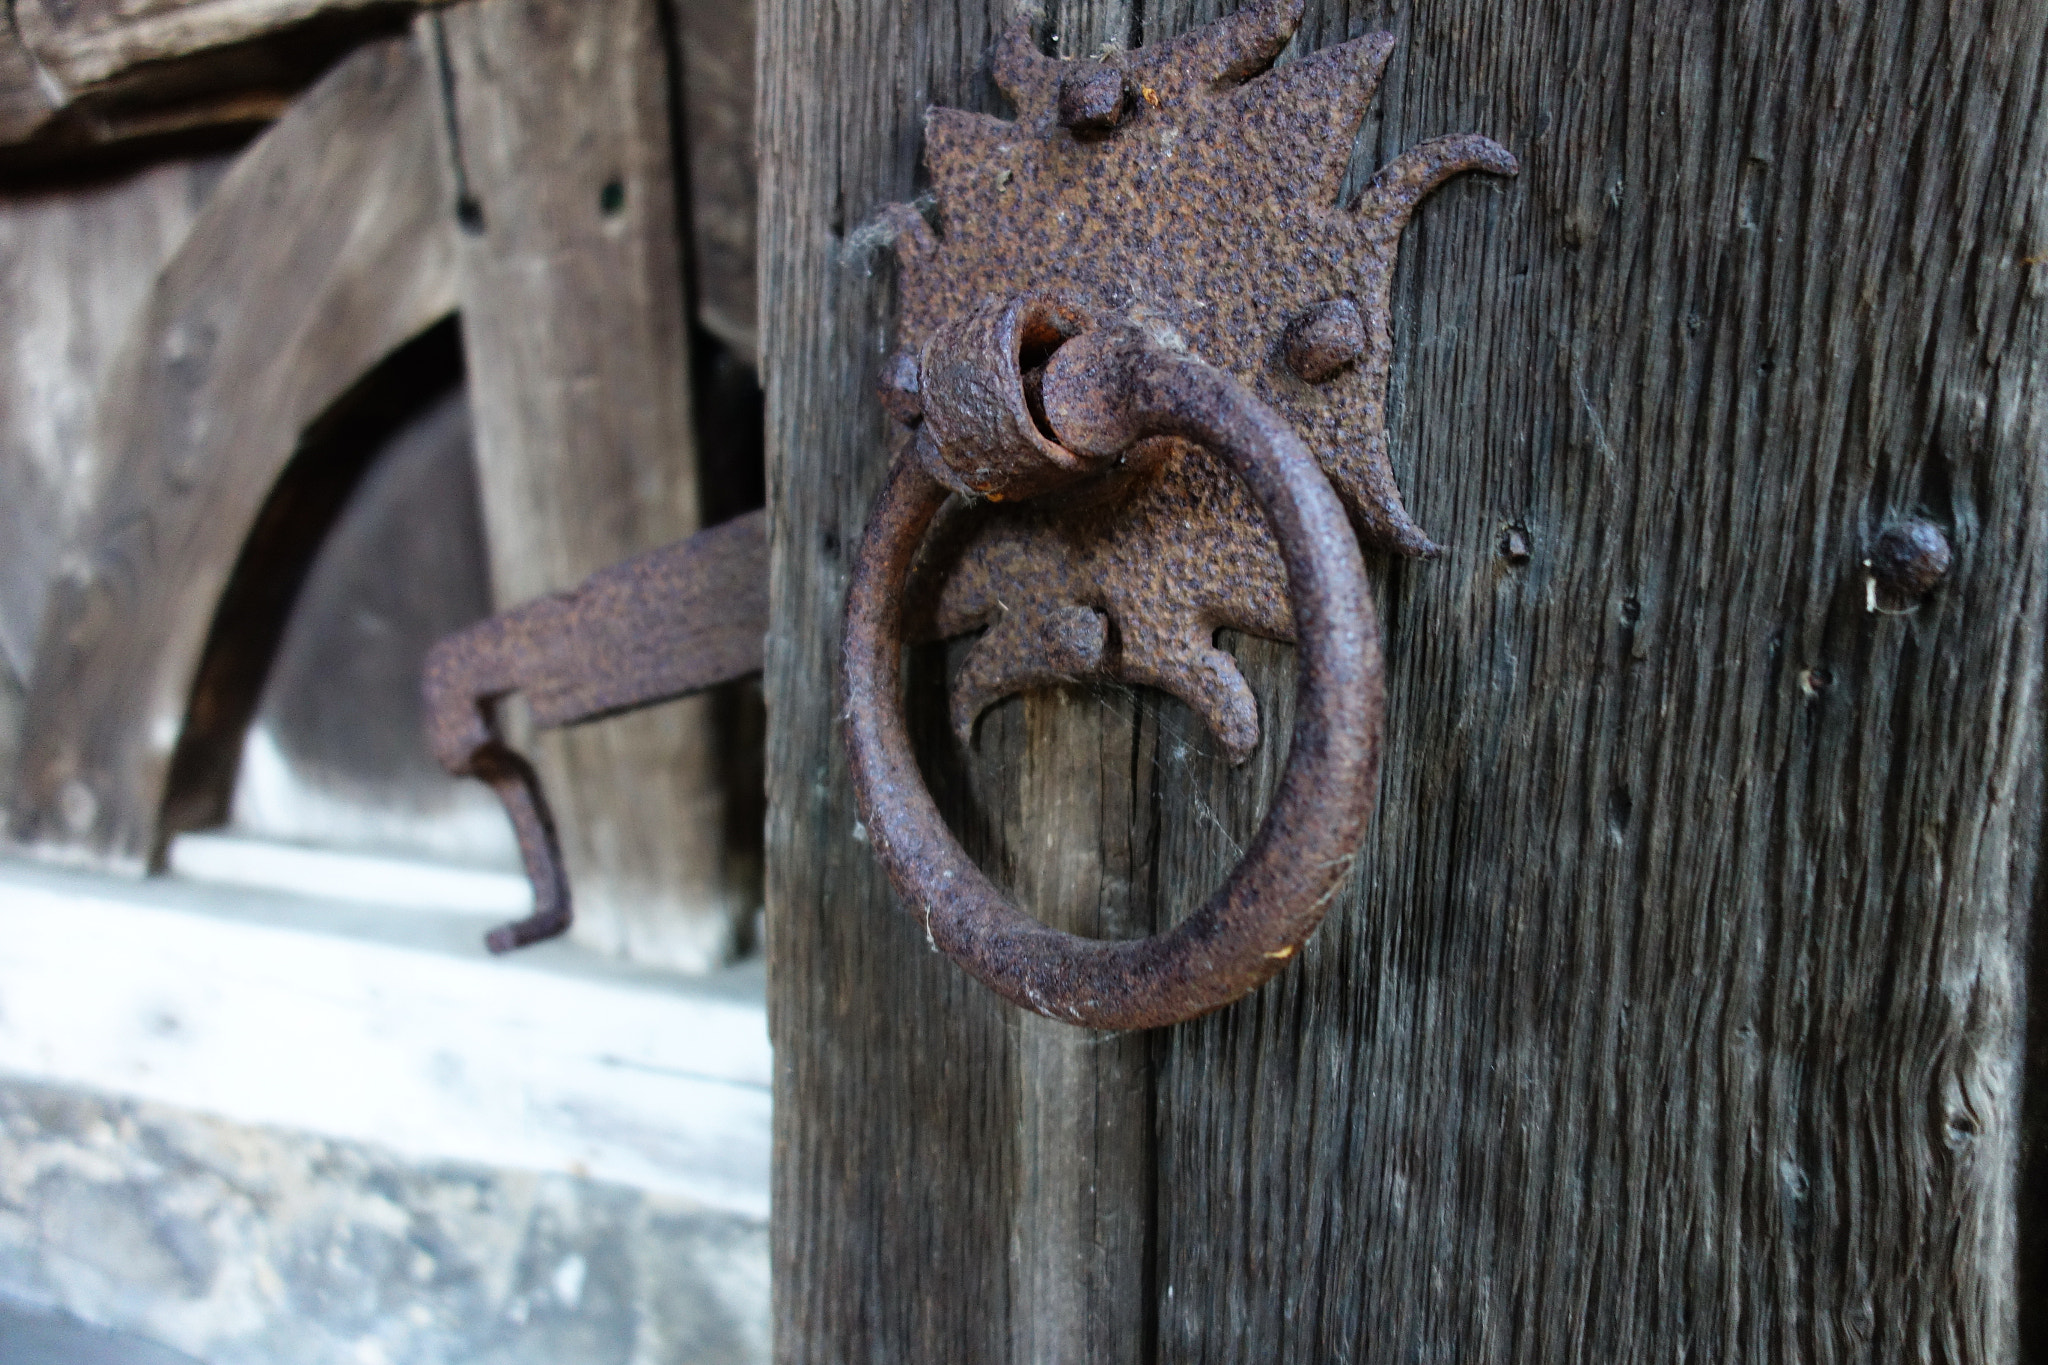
(1149, 355)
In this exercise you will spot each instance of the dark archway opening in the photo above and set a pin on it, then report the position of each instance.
(369, 547)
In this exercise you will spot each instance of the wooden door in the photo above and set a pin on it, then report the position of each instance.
(1676, 1008)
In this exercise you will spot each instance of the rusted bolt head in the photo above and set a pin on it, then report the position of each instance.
(1091, 99)
(1325, 341)
(1907, 562)
(898, 387)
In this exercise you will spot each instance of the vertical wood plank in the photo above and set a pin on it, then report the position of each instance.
(575, 326)
(1675, 1012)
(1082, 1232)
(716, 51)
(1012, 1178)
(896, 1090)
(1676, 1009)
(76, 266)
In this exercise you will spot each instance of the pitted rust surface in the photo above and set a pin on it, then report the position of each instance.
(649, 629)
(1114, 389)
(1179, 186)
(977, 433)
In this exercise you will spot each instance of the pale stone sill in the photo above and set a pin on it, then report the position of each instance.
(356, 1015)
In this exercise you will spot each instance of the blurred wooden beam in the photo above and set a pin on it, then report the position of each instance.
(325, 249)
(575, 326)
(27, 99)
(81, 76)
(716, 40)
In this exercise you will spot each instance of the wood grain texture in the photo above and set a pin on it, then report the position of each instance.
(575, 324)
(77, 76)
(91, 42)
(898, 1079)
(1676, 1009)
(76, 269)
(27, 98)
(1082, 1240)
(715, 46)
(1082, 1232)
(323, 250)
(896, 1085)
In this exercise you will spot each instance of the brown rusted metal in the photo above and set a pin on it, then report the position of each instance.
(978, 434)
(1110, 390)
(1139, 310)
(1092, 98)
(1325, 341)
(650, 629)
(1206, 204)
(1906, 563)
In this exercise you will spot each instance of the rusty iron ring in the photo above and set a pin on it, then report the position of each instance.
(1108, 389)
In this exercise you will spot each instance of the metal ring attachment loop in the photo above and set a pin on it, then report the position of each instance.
(1101, 391)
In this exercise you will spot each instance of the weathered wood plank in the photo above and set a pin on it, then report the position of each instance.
(27, 99)
(716, 43)
(575, 322)
(1040, 1133)
(1676, 1010)
(1082, 1234)
(324, 250)
(83, 43)
(76, 75)
(896, 1090)
(76, 268)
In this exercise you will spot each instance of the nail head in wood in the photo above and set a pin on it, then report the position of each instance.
(1907, 562)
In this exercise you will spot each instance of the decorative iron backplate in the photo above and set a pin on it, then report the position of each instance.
(1194, 186)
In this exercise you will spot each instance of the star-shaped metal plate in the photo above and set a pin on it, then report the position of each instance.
(1210, 210)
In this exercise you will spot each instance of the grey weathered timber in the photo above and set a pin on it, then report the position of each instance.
(575, 326)
(324, 250)
(1004, 1213)
(1081, 1233)
(76, 75)
(76, 267)
(715, 48)
(27, 99)
(896, 1083)
(1676, 1008)
(92, 42)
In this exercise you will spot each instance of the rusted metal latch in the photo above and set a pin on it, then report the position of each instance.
(650, 629)
(1141, 381)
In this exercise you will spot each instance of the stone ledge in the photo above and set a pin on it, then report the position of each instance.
(389, 1026)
